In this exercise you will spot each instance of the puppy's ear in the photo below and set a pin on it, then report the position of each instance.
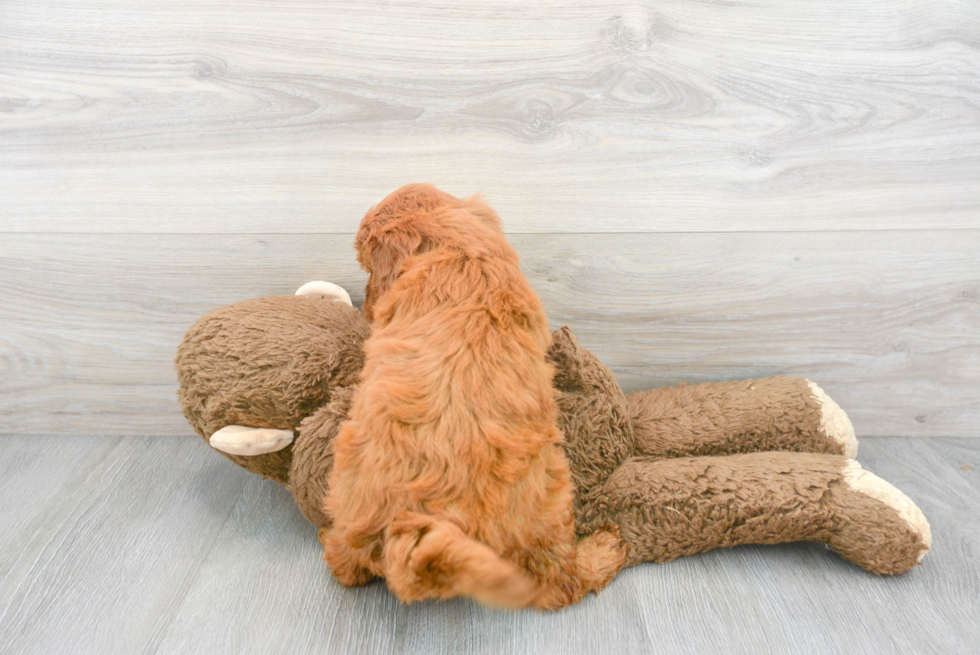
(383, 255)
(391, 232)
(482, 211)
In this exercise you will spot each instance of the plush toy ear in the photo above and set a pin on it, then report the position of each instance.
(322, 289)
(241, 440)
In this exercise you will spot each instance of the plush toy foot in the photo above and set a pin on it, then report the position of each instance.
(241, 440)
(886, 540)
(834, 422)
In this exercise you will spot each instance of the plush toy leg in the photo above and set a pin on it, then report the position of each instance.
(670, 508)
(721, 418)
(312, 461)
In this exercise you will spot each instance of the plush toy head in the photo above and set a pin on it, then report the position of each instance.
(268, 363)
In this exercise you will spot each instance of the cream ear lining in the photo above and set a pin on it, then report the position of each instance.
(241, 440)
(325, 290)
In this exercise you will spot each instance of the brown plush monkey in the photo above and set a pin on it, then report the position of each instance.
(680, 470)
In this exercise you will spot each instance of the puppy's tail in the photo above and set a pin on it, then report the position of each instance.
(427, 557)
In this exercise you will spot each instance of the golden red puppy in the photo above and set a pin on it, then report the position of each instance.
(449, 478)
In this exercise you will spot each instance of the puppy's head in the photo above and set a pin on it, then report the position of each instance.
(391, 232)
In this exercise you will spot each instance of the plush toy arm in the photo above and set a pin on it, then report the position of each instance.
(670, 508)
(720, 418)
(313, 456)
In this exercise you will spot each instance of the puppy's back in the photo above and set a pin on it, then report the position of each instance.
(454, 430)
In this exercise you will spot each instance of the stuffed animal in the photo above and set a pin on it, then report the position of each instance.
(267, 382)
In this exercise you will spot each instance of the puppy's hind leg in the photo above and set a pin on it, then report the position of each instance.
(344, 562)
(570, 571)
(599, 557)
(429, 557)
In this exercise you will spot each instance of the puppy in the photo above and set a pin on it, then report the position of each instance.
(449, 478)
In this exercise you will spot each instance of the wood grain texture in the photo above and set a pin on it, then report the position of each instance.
(162, 546)
(886, 322)
(240, 116)
(960, 456)
(103, 564)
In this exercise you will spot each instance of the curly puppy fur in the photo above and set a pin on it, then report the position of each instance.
(449, 478)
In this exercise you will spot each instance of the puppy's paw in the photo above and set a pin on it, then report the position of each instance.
(600, 557)
(323, 535)
(342, 561)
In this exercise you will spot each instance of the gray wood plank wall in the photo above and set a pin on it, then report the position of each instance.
(702, 190)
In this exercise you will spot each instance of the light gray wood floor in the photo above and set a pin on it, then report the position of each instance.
(158, 545)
